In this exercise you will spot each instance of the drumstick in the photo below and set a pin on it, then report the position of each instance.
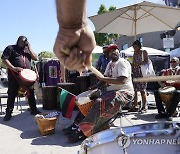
(157, 78)
(91, 68)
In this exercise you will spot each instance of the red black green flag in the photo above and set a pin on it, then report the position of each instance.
(67, 103)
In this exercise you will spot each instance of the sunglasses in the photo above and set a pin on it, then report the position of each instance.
(172, 61)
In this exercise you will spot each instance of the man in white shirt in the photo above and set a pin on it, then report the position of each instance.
(119, 92)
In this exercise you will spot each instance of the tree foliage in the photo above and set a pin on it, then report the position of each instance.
(105, 38)
(46, 54)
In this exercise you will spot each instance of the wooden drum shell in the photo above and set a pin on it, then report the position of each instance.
(49, 97)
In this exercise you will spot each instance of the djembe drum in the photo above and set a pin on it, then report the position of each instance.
(85, 100)
(26, 78)
(166, 94)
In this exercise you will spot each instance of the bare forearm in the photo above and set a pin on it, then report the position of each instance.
(8, 64)
(71, 13)
(33, 55)
(119, 80)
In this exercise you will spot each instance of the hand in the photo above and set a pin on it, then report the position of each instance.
(37, 77)
(92, 87)
(162, 85)
(17, 69)
(80, 41)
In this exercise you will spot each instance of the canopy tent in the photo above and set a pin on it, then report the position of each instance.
(151, 51)
(160, 59)
(97, 49)
(175, 53)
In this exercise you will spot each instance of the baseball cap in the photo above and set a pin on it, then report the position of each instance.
(112, 46)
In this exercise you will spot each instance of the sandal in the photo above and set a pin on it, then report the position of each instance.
(143, 111)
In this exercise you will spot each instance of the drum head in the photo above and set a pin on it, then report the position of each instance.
(28, 75)
(167, 89)
(86, 93)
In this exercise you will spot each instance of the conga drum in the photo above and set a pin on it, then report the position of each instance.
(70, 87)
(26, 78)
(49, 97)
(166, 94)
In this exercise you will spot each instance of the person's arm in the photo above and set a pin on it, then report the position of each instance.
(74, 34)
(145, 58)
(10, 66)
(71, 13)
(110, 80)
(33, 55)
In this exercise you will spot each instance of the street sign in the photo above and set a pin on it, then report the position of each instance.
(168, 43)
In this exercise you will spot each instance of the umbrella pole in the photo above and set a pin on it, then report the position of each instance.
(135, 21)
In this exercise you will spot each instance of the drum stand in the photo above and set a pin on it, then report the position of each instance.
(123, 138)
(119, 115)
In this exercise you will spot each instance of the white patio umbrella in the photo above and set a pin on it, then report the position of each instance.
(136, 19)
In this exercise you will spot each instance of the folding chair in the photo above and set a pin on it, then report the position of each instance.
(2, 95)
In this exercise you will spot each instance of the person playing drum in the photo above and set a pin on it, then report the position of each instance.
(119, 92)
(173, 70)
(18, 57)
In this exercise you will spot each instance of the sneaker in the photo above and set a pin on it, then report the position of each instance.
(76, 136)
(34, 112)
(69, 130)
(7, 117)
(160, 116)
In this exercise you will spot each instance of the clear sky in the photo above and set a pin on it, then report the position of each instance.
(36, 19)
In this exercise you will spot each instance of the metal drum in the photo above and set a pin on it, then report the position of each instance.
(70, 87)
(49, 97)
(152, 138)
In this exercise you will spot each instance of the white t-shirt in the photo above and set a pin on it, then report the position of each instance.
(120, 68)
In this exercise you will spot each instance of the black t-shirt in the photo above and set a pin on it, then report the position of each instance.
(17, 57)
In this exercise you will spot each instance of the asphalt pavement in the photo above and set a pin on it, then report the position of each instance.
(20, 135)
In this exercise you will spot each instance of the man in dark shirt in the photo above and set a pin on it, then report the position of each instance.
(103, 60)
(16, 58)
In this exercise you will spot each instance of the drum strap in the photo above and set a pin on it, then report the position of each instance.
(24, 60)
